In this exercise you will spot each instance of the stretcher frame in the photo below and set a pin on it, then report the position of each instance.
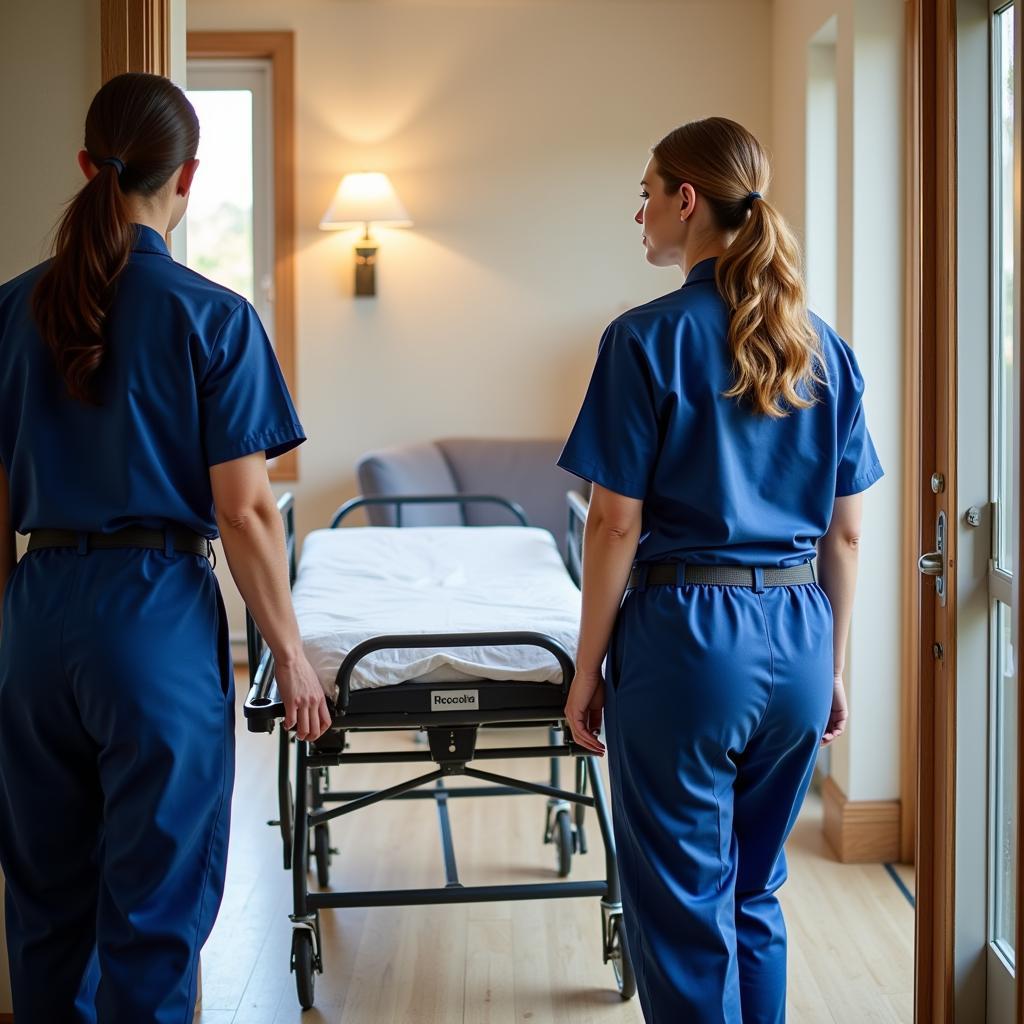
(452, 745)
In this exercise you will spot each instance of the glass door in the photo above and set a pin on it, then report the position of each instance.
(977, 526)
(1002, 676)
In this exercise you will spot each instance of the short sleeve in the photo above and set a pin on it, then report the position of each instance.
(244, 401)
(858, 466)
(614, 442)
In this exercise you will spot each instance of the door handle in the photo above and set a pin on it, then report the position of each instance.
(933, 563)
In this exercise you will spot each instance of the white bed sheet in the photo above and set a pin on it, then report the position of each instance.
(357, 583)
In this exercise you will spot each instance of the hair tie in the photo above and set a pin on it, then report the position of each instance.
(751, 196)
(118, 165)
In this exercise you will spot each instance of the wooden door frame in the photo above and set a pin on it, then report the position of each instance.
(931, 415)
(134, 36)
(911, 536)
(279, 49)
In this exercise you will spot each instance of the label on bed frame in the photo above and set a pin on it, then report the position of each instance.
(454, 700)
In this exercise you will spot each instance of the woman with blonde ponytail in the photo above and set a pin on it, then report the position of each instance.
(724, 433)
(138, 405)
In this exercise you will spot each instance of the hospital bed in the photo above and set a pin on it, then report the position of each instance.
(447, 663)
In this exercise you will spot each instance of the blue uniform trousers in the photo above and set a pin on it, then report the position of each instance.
(116, 768)
(716, 701)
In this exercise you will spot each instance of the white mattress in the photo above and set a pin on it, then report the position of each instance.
(357, 583)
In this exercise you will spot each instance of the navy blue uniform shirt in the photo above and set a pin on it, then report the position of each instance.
(189, 379)
(720, 485)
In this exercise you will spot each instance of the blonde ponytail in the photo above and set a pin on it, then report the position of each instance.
(774, 346)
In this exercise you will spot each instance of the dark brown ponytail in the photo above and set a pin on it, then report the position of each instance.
(145, 124)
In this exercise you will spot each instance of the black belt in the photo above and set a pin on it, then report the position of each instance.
(170, 540)
(678, 573)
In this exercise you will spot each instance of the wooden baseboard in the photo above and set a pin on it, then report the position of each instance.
(860, 831)
(6, 1018)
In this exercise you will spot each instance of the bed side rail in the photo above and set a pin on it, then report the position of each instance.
(401, 500)
(263, 704)
(416, 641)
(256, 647)
(574, 537)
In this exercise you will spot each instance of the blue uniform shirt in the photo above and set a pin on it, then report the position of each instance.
(189, 379)
(720, 484)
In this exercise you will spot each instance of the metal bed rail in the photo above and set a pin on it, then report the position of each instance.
(574, 535)
(496, 701)
(254, 642)
(419, 641)
(399, 501)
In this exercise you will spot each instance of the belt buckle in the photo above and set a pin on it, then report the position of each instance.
(211, 554)
(642, 569)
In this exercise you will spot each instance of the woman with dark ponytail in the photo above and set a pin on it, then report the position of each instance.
(724, 433)
(139, 403)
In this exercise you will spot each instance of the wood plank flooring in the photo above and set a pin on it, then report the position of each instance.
(850, 927)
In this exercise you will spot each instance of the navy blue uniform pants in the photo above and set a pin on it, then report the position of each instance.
(716, 701)
(116, 768)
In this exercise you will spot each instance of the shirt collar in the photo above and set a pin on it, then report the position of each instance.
(703, 271)
(148, 240)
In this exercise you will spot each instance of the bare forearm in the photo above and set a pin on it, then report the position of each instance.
(255, 547)
(837, 576)
(607, 558)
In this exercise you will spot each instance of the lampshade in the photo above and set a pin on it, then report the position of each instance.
(362, 199)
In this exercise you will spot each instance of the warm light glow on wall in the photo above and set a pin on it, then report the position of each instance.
(365, 198)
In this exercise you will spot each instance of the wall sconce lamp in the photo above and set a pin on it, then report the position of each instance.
(365, 198)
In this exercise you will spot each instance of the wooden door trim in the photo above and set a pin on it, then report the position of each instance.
(910, 654)
(931, 50)
(134, 36)
(279, 49)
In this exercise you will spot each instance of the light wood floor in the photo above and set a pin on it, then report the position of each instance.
(850, 928)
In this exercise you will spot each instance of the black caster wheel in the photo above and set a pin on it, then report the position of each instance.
(563, 842)
(322, 850)
(303, 966)
(618, 956)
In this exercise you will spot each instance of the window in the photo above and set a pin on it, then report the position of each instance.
(241, 224)
(229, 226)
(1003, 696)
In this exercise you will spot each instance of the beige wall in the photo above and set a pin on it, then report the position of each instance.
(516, 134)
(47, 79)
(869, 313)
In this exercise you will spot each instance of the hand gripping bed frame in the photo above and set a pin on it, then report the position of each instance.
(452, 737)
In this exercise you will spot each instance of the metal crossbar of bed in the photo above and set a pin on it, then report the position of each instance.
(452, 736)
